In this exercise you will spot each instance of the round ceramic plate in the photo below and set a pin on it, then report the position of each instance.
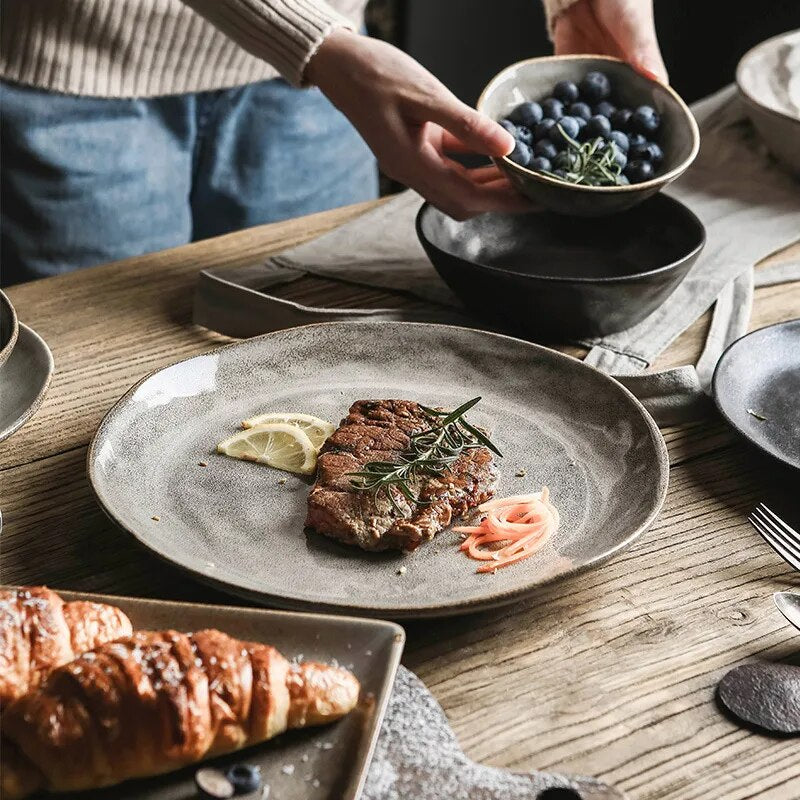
(24, 379)
(239, 525)
(757, 386)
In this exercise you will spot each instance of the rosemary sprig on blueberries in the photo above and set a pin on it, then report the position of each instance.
(594, 163)
(430, 452)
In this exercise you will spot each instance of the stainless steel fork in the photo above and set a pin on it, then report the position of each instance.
(782, 538)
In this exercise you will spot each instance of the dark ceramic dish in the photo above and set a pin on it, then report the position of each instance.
(757, 389)
(542, 273)
(534, 79)
(9, 328)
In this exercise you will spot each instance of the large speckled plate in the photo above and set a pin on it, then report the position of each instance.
(239, 525)
(325, 763)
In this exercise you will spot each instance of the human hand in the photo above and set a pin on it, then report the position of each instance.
(621, 28)
(411, 121)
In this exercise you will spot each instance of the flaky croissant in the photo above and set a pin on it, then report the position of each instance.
(157, 701)
(39, 631)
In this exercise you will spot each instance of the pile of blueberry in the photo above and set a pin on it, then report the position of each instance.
(580, 136)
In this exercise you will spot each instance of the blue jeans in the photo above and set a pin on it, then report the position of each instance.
(88, 180)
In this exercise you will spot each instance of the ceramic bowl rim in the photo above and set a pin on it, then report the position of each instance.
(5, 352)
(604, 280)
(747, 96)
(495, 600)
(714, 390)
(653, 183)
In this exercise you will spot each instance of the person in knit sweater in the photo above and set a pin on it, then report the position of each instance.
(130, 126)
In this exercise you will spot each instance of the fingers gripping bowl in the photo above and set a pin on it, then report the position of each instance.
(535, 78)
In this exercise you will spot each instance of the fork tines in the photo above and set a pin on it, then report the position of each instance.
(782, 538)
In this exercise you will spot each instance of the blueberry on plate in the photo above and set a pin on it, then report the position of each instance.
(524, 134)
(595, 87)
(521, 154)
(245, 778)
(565, 91)
(620, 119)
(213, 784)
(527, 114)
(620, 140)
(655, 152)
(542, 130)
(545, 149)
(598, 126)
(645, 120)
(552, 108)
(566, 126)
(639, 171)
(508, 125)
(605, 109)
(540, 164)
(580, 110)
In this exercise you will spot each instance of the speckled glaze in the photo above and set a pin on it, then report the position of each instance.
(336, 756)
(761, 372)
(542, 274)
(240, 526)
(24, 380)
(768, 78)
(534, 79)
(9, 328)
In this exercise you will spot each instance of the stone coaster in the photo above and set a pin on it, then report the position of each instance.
(417, 756)
(766, 695)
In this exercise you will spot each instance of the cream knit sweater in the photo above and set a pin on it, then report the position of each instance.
(147, 48)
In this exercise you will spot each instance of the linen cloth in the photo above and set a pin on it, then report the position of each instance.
(750, 208)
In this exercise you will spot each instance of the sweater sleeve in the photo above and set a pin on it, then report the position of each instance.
(552, 8)
(285, 33)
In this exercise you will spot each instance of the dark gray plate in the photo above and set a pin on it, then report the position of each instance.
(327, 763)
(237, 526)
(759, 376)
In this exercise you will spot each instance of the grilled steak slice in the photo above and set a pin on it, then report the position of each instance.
(380, 430)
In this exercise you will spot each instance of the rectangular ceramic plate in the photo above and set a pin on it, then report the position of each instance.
(326, 763)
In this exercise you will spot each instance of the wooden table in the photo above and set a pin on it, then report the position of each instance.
(610, 673)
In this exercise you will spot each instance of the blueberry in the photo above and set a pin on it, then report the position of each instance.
(620, 140)
(565, 91)
(656, 153)
(541, 164)
(620, 159)
(636, 140)
(542, 130)
(545, 149)
(245, 778)
(620, 119)
(580, 110)
(527, 114)
(639, 171)
(566, 125)
(604, 109)
(508, 125)
(595, 87)
(645, 120)
(524, 135)
(213, 784)
(567, 160)
(552, 108)
(581, 123)
(521, 154)
(598, 126)
(622, 180)
(560, 173)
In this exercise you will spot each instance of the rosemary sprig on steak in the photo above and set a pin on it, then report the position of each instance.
(430, 452)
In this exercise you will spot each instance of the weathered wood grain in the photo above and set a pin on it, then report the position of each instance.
(611, 673)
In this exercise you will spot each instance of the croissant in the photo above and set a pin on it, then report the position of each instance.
(39, 631)
(157, 701)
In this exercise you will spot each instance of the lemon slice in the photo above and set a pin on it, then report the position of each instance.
(318, 430)
(276, 444)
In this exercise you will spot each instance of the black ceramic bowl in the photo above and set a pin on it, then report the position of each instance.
(546, 274)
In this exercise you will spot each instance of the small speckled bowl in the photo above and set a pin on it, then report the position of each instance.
(534, 79)
(9, 328)
(768, 78)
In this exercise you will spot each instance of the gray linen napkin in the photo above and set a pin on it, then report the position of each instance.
(418, 756)
(748, 204)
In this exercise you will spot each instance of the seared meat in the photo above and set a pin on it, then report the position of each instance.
(380, 430)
